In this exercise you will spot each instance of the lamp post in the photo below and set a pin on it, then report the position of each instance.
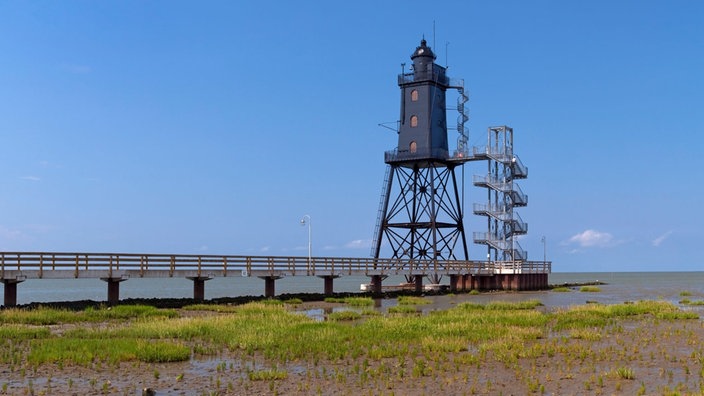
(544, 250)
(304, 220)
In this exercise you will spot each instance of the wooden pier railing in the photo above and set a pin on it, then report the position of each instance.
(113, 268)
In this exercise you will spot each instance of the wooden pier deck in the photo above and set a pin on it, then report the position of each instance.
(113, 268)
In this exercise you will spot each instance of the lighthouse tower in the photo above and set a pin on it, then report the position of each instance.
(420, 212)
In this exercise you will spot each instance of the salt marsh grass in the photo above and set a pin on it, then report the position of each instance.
(210, 307)
(51, 316)
(19, 332)
(344, 315)
(162, 352)
(686, 301)
(359, 301)
(590, 289)
(352, 301)
(403, 309)
(362, 347)
(412, 300)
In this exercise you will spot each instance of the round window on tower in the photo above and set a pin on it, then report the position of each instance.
(414, 95)
(414, 147)
(414, 121)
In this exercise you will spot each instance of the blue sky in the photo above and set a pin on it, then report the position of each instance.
(213, 127)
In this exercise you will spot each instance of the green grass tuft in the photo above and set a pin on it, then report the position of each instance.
(267, 375)
(359, 301)
(590, 289)
(625, 373)
(403, 309)
(412, 300)
(162, 352)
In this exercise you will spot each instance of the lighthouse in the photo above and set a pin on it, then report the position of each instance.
(420, 213)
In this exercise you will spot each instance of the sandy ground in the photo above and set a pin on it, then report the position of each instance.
(663, 356)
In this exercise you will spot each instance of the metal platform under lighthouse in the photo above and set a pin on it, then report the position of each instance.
(420, 213)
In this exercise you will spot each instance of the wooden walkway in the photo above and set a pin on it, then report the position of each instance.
(113, 268)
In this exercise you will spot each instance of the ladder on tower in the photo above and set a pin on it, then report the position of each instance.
(380, 212)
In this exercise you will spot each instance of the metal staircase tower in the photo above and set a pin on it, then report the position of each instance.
(503, 195)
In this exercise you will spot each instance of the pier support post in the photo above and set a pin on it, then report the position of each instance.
(418, 281)
(328, 279)
(199, 287)
(454, 282)
(113, 289)
(10, 289)
(270, 285)
(470, 282)
(376, 284)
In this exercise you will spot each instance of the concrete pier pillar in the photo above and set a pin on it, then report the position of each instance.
(199, 287)
(113, 289)
(270, 285)
(376, 284)
(328, 289)
(10, 289)
(418, 281)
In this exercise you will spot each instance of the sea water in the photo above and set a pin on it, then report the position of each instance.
(619, 287)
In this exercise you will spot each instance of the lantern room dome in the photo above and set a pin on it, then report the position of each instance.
(423, 50)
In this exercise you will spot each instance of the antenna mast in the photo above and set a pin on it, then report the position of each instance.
(447, 64)
(434, 34)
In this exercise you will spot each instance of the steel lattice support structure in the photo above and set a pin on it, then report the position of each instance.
(424, 219)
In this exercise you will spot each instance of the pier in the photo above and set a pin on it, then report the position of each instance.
(114, 268)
